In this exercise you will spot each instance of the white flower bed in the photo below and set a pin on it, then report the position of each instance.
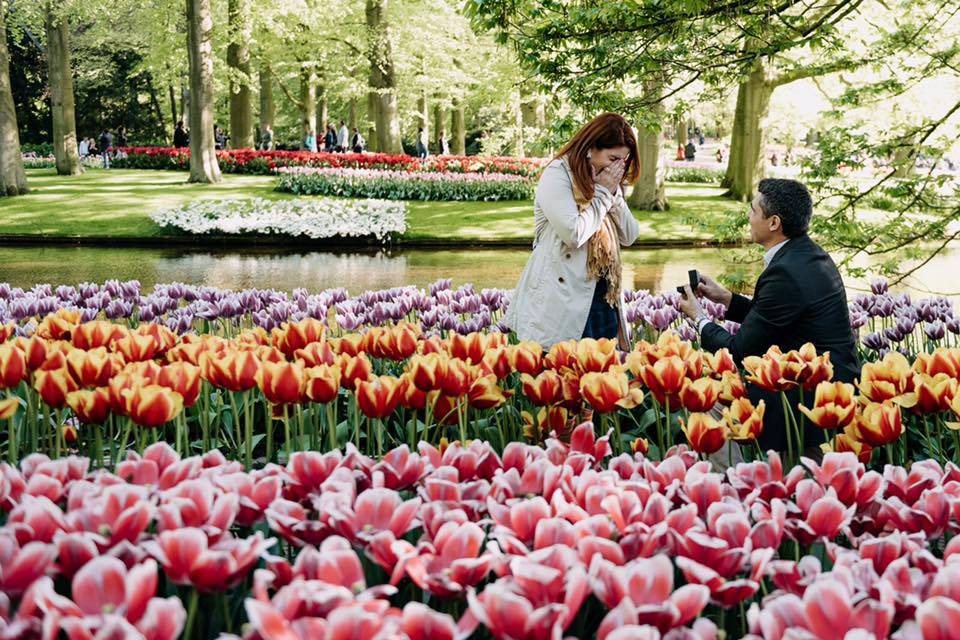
(314, 217)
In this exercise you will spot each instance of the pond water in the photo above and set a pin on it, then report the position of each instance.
(654, 269)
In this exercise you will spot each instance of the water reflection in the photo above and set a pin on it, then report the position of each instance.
(654, 269)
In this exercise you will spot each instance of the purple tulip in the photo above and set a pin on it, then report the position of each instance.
(879, 285)
(934, 330)
(875, 341)
(953, 325)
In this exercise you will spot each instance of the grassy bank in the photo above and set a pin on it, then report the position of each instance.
(118, 203)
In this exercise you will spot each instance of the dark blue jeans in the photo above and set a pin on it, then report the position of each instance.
(603, 320)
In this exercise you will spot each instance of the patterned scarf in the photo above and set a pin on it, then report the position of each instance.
(603, 250)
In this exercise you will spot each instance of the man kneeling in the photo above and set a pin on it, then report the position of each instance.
(798, 298)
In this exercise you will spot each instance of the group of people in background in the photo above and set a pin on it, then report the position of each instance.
(102, 146)
(423, 145)
(335, 140)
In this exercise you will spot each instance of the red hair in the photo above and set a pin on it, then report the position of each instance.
(606, 131)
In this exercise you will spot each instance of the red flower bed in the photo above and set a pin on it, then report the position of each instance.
(265, 162)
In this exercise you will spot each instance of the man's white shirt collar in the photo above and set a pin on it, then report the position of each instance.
(772, 251)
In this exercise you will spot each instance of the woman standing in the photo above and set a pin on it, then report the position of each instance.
(571, 285)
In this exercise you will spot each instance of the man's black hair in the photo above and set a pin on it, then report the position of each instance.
(791, 201)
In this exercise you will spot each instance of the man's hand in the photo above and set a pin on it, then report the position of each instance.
(689, 304)
(713, 291)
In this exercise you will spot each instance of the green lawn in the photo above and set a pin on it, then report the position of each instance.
(118, 203)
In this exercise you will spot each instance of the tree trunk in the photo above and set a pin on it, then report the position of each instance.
(13, 179)
(238, 58)
(173, 103)
(745, 165)
(458, 129)
(203, 155)
(62, 106)
(155, 103)
(650, 193)
(423, 115)
(267, 108)
(518, 146)
(308, 102)
(680, 128)
(437, 122)
(323, 108)
(383, 80)
(352, 115)
(372, 106)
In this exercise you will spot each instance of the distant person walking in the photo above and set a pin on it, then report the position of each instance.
(422, 151)
(310, 142)
(266, 138)
(357, 142)
(719, 155)
(180, 137)
(106, 142)
(219, 138)
(83, 148)
(343, 137)
(690, 151)
(443, 147)
(121, 136)
(679, 155)
(330, 139)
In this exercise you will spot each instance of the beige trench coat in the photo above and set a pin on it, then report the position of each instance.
(552, 299)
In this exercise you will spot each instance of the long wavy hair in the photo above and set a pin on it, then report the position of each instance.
(606, 131)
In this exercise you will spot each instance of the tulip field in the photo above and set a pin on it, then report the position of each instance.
(198, 463)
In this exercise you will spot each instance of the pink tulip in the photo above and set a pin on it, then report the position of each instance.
(939, 618)
(375, 510)
(399, 469)
(187, 559)
(20, 565)
(452, 562)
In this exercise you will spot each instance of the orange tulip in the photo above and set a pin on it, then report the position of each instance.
(596, 355)
(379, 396)
(297, 335)
(609, 391)
(561, 355)
(485, 394)
(92, 406)
(834, 406)
(720, 362)
(7, 330)
(879, 423)
(35, 348)
(184, 378)
(93, 368)
(350, 344)
(69, 433)
(545, 389)
(152, 405)
(744, 422)
(281, 382)
(942, 360)
(97, 333)
(433, 344)
(571, 390)
(321, 383)
(266, 353)
(549, 420)
(148, 370)
(256, 336)
(137, 347)
(8, 407)
(427, 372)
(470, 347)
(844, 442)
(405, 338)
(934, 393)
(668, 344)
(53, 386)
(56, 359)
(411, 397)
(773, 371)
(818, 369)
(13, 366)
(444, 407)
(59, 325)
(731, 387)
(640, 445)
(166, 339)
(665, 378)
(700, 394)
(353, 369)
(315, 353)
(526, 357)
(497, 362)
(187, 352)
(887, 379)
(704, 434)
(457, 378)
(120, 383)
(233, 370)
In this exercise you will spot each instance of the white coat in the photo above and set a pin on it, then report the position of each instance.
(552, 299)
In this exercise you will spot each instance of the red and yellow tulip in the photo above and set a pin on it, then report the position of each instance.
(152, 405)
(92, 406)
(703, 432)
(834, 405)
(378, 396)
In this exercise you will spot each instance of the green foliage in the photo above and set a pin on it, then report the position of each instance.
(695, 174)
(407, 187)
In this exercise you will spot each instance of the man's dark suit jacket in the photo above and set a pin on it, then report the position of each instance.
(798, 298)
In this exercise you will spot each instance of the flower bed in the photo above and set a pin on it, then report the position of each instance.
(403, 185)
(266, 162)
(313, 218)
